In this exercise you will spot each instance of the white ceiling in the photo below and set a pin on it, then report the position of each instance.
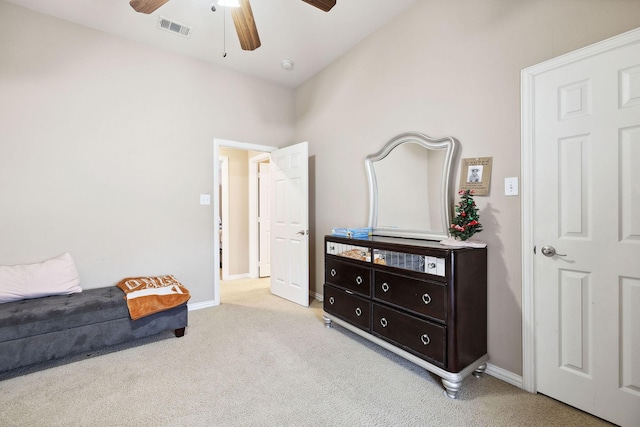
(289, 29)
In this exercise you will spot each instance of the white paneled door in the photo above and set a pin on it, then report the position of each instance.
(289, 172)
(585, 116)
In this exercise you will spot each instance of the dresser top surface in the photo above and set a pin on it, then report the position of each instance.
(396, 241)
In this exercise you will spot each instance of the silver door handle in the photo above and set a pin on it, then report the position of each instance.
(303, 232)
(550, 251)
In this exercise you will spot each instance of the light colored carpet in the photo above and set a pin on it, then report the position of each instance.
(258, 360)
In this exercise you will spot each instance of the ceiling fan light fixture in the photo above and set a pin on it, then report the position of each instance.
(229, 3)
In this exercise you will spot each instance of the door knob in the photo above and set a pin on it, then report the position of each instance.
(303, 232)
(550, 251)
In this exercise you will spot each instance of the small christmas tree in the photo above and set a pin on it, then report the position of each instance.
(465, 224)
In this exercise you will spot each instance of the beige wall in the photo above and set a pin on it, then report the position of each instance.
(445, 68)
(105, 146)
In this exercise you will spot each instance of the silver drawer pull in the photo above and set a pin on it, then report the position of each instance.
(431, 265)
(332, 300)
(333, 272)
(385, 287)
(359, 280)
(383, 322)
(426, 298)
(358, 312)
(425, 339)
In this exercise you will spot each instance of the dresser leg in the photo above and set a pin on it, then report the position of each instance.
(480, 370)
(327, 321)
(451, 388)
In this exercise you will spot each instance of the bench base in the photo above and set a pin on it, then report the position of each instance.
(55, 327)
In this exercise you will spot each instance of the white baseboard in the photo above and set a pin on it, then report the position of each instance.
(235, 276)
(493, 370)
(203, 304)
(504, 375)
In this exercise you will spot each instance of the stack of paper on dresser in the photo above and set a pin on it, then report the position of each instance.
(352, 233)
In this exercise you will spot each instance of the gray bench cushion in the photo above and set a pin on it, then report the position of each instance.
(20, 319)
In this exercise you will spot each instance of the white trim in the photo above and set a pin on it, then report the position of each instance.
(528, 314)
(504, 375)
(200, 305)
(217, 144)
(254, 248)
(318, 297)
(248, 146)
(224, 198)
(216, 221)
(237, 276)
(528, 77)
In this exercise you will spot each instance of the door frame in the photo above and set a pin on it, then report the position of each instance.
(528, 76)
(217, 144)
(223, 162)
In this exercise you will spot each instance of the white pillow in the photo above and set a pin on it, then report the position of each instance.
(55, 276)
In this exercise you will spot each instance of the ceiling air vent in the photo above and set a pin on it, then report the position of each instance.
(174, 27)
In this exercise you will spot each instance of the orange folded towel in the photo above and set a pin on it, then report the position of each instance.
(149, 295)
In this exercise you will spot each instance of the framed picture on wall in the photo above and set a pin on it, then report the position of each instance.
(475, 174)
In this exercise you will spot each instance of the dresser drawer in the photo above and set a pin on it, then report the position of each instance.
(418, 296)
(420, 337)
(347, 306)
(347, 275)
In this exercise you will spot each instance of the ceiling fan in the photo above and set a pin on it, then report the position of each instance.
(242, 17)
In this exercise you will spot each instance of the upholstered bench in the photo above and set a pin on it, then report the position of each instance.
(40, 329)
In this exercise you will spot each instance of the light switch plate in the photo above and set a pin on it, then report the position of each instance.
(511, 186)
(205, 199)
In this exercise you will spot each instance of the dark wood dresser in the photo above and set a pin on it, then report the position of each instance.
(419, 299)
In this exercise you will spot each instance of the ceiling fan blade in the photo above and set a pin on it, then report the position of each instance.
(325, 5)
(245, 26)
(146, 6)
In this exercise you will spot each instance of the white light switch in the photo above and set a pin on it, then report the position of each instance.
(205, 199)
(511, 186)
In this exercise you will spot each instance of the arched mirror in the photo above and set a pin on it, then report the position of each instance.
(410, 187)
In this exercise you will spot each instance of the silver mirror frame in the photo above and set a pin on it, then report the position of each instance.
(451, 145)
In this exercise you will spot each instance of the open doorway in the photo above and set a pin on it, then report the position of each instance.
(289, 218)
(244, 211)
(237, 206)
